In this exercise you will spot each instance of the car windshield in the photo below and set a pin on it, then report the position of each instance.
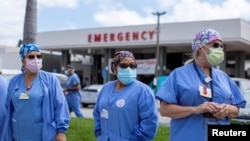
(62, 79)
(7, 77)
(247, 97)
(9, 73)
(243, 84)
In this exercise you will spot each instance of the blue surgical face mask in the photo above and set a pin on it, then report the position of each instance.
(66, 72)
(126, 76)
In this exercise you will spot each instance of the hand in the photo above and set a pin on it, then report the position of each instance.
(222, 112)
(64, 90)
(207, 107)
(61, 137)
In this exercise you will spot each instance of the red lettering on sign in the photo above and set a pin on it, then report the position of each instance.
(105, 37)
(143, 35)
(127, 36)
(151, 33)
(112, 37)
(89, 38)
(150, 62)
(97, 38)
(135, 35)
(121, 36)
(139, 62)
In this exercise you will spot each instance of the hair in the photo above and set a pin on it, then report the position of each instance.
(192, 58)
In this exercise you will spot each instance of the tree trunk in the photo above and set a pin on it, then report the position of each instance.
(30, 22)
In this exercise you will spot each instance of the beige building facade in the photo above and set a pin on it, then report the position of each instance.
(174, 46)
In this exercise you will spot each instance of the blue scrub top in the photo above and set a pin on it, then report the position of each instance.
(26, 102)
(73, 80)
(54, 109)
(182, 88)
(3, 94)
(126, 114)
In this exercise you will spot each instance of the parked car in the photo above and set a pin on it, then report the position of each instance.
(243, 83)
(9, 73)
(89, 94)
(244, 114)
(62, 78)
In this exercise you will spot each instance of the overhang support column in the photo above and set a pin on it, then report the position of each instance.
(162, 60)
(108, 54)
(240, 57)
(65, 59)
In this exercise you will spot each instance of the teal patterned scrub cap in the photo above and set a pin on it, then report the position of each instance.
(27, 48)
(204, 37)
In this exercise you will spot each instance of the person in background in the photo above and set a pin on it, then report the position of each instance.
(197, 94)
(72, 91)
(84, 85)
(125, 109)
(3, 95)
(36, 108)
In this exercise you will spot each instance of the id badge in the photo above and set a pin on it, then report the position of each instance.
(105, 114)
(205, 91)
(24, 96)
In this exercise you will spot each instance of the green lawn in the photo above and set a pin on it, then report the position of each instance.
(81, 129)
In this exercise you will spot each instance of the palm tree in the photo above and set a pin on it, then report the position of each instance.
(19, 43)
(30, 22)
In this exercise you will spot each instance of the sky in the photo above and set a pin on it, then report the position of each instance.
(55, 15)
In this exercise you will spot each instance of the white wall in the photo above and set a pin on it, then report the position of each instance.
(10, 58)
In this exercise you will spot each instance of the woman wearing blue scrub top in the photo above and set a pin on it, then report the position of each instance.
(197, 94)
(36, 109)
(3, 94)
(125, 109)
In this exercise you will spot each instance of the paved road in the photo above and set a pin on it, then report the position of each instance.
(87, 112)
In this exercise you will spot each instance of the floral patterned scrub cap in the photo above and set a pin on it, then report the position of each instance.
(27, 48)
(118, 56)
(204, 37)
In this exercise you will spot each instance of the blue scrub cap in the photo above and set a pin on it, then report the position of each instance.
(204, 37)
(27, 48)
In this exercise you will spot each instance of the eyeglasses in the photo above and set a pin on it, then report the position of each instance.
(125, 65)
(217, 45)
(38, 56)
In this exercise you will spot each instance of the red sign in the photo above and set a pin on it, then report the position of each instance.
(144, 66)
(121, 36)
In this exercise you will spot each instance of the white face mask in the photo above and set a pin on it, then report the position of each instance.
(33, 65)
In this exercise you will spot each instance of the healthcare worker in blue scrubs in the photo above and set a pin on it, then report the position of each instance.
(72, 91)
(125, 109)
(197, 94)
(3, 94)
(36, 109)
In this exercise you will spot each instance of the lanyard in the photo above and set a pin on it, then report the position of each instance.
(204, 80)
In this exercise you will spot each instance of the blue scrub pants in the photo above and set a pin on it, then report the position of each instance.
(74, 104)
